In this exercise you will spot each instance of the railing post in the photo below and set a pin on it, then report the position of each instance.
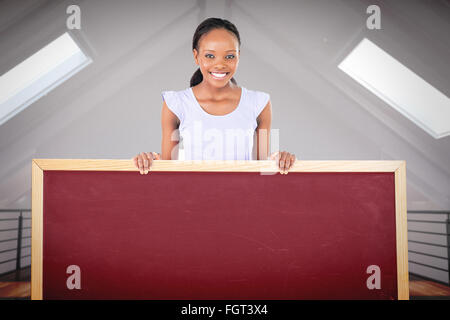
(448, 247)
(19, 245)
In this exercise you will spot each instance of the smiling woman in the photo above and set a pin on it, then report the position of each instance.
(213, 39)
(215, 118)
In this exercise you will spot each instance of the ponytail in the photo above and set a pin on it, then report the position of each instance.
(196, 78)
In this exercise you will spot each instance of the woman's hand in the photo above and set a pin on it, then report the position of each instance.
(284, 159)
(143, 161)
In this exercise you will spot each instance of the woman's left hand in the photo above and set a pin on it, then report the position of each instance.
(284, 159)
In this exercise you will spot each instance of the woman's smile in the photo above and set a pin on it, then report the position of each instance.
(219, 75)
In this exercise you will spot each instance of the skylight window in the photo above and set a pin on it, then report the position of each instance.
(39, 74)
(399, 87)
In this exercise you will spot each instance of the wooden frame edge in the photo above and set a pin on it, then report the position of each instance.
(263, 166)
(397, 167)
(401, 232)
(37, 201)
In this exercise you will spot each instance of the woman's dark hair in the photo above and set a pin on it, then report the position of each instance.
(203, 28)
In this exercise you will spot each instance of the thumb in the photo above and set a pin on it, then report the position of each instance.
(156, 156)
(274, 155)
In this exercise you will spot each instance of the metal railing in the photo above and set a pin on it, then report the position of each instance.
(20, 219)
(18, 237)
(445, 221)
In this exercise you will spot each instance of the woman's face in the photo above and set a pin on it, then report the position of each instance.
(217, 57)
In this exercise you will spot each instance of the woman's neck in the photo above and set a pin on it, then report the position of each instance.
(210, 92)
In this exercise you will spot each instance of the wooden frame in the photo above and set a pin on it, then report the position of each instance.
(41, 165)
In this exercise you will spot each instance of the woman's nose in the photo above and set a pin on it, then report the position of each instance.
(221, 65)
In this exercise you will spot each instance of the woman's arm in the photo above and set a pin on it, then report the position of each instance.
(264, 122)
(170, 134)
(285, 159)
(169, 144)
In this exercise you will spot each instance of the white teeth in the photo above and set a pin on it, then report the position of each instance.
(218, 75)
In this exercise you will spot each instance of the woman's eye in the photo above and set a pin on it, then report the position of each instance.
(230, 56)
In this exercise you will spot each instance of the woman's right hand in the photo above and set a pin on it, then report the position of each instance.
(143, 161)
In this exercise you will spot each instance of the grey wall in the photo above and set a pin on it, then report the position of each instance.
(290, 49)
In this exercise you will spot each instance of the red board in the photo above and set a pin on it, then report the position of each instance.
(218, 235)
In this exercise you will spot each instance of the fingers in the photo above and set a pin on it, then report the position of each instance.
(138, 162)
(143, 161)
(286, 161)
(287, 164)
(282, 163)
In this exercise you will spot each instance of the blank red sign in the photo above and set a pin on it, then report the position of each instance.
(218, 235)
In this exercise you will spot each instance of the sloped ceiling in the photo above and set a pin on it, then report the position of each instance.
(290, 49)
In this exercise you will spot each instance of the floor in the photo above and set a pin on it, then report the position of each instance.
(16, 285)
(15, 290)
(420, 288)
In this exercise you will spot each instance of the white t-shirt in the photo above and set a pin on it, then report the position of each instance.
(209, 137)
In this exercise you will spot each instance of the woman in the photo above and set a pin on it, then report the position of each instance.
(216, 118)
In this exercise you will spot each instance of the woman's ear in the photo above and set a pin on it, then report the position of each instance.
(194, 51)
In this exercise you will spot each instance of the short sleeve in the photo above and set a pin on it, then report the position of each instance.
(262, 99)
(173, 103)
